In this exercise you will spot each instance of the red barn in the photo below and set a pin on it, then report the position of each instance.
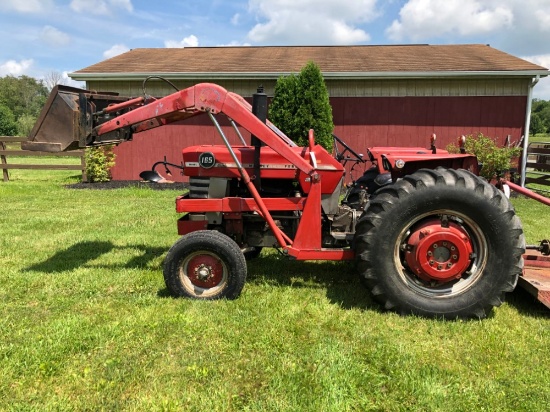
(380, 95)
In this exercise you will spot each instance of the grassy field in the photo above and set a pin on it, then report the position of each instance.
(87, 324)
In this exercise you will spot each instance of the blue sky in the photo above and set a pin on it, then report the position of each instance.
(45, 36)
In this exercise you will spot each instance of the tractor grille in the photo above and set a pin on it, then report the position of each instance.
(198, 187)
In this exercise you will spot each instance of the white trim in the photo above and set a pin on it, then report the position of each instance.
(326, 75)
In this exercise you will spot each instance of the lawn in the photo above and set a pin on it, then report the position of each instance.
(86, 323)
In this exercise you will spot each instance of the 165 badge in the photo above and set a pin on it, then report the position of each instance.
(207, 160)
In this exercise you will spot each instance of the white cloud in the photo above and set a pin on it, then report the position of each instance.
(67, 81)
(422, 19)
(15, 68)
(541, 60)
(115, 51)
(189, 41)
(235, 19)
(311, 21)
(542, 89)
(26, 6)
(54, 37)
(233, 44)
(100, 7)
(543, 18)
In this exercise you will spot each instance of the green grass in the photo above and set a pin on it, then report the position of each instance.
(540, 137)
(86, 323)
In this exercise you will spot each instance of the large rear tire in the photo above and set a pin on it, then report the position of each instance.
(440, 243)
(205, 264)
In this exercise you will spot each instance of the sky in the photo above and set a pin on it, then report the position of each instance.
(41, 37)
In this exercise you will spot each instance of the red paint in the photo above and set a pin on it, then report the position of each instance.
(187, 226)
(438, 253)
(204, 271)
(237, 204)
(361, 121)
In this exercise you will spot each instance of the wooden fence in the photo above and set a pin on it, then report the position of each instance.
(538, 162)
(5, 153)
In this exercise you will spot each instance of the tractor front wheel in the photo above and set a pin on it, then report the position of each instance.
(206, 265)
(440, 243)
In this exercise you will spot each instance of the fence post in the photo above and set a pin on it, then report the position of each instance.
(83, 164)
(4, 162)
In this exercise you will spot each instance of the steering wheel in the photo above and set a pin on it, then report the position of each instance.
(340, 156)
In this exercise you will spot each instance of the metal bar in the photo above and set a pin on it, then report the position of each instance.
(237, 131)
(246, 178)
(528, 193)
(185, 204)
(114, 107)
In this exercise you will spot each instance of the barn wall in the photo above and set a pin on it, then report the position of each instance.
(360, 121)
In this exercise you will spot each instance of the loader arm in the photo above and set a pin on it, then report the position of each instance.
(75, 118)
(195, 100)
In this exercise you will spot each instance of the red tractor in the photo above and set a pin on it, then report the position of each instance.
(428, 236)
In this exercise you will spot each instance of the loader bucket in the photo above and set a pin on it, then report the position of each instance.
(66, 120)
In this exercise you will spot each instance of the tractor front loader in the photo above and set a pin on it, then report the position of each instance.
(428, 236)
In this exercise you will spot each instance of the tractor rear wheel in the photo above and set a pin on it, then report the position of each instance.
(440, 243)
(205, 264)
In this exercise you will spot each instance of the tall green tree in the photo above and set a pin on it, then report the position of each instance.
(8, 126)
(300, 103)
(540, 116)
(23, 95)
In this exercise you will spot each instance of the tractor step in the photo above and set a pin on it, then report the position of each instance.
(536, 276)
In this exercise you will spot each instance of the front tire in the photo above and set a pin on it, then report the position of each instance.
(440, 243)
(205, 264)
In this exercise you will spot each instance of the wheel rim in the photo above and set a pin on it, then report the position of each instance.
(440, 254)
(203, 273)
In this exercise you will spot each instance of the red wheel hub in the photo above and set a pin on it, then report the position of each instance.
(440, 253)
(205, 271)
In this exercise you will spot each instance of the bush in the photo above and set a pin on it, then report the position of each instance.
(300, 103)
(25, 123)
(495, 160)
(99, 161)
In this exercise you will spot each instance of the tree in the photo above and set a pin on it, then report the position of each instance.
(540, 116)
(23, 95)
(300, 103)
(52, 79)
(8, 127)
(537, 124)
(25, 123)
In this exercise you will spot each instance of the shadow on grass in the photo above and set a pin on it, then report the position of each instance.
(340, 279)
(80, 254)
(526, 304)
